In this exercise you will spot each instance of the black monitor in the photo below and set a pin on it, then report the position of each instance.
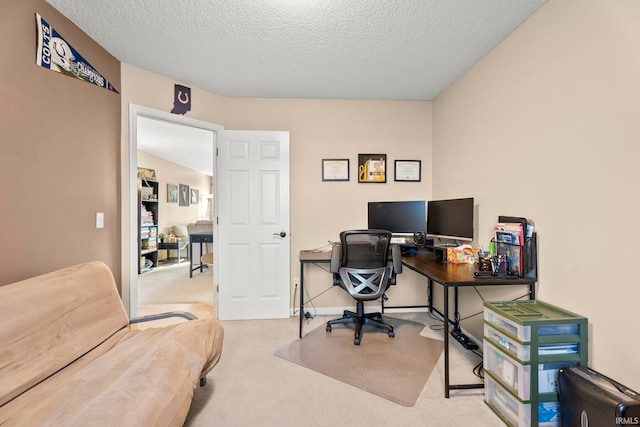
(450, 219)
(400, 218)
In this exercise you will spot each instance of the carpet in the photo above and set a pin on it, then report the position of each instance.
(396, 369)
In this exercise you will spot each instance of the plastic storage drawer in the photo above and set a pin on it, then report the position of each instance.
(522, 352)
(523, 332)
(515, 412)
(517, 377)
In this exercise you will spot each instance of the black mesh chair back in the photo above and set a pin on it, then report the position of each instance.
(365, 248)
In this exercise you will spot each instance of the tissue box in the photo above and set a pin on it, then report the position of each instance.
(462, 255)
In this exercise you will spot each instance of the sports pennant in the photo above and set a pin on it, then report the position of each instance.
(55, 54)
(181, 99)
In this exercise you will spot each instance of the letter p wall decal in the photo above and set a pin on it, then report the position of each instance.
(181, 99)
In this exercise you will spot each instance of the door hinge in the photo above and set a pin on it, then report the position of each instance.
(217, 289)
(217, 153)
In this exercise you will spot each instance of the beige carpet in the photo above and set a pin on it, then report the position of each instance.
(170, 284)
(393, 368)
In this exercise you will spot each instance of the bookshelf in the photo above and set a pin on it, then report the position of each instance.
(147, 225)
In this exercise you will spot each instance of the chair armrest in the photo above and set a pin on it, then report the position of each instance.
(159, 316)
(396, 258)
(336, 256)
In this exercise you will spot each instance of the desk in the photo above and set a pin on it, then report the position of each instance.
(197, 238)
(309, 257)
(446, 274)
(454, 276)
(173, 246)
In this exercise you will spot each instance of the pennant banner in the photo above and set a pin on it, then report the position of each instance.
(181, 99)
(55, 54)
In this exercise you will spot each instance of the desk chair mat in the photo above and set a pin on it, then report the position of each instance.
(396, 369)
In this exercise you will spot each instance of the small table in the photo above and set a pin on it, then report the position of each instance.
(173, 246)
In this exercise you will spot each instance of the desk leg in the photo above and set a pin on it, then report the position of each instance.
(301, 298)
(190, 258)
(456, 313)
(200, 257)
(430, 296)
(445, 332)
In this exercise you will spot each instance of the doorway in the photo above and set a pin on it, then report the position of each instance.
(187, 154)
(266, 174)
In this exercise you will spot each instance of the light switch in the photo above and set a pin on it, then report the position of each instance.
(100, 220)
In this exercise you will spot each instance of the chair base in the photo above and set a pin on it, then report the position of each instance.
(359, 319)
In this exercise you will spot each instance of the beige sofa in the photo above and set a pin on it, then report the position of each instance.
(68, 356)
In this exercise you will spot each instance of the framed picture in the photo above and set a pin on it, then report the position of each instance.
(335, 169)
(183, 195)
(407, 170)
(172, 193)
(372, 168)
(147, 174)
(195, 196)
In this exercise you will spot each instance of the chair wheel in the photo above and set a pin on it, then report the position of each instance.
(328, 328)
(356, 341)
(391, 334)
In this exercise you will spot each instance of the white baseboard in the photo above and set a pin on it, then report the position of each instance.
(337, 311)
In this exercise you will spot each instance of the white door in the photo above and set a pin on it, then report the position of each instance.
(252, 187)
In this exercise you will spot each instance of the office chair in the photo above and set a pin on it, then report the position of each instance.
(360, 266)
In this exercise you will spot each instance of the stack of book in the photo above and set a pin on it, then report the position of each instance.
(146, 217)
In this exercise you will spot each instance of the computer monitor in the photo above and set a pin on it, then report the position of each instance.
(402, 218)
(450, 219)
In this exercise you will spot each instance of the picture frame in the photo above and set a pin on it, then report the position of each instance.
(147, 174)
(335, 169)
(183, 195)
(195, 196)
(172, 193)
(408, 170)
(372, 168)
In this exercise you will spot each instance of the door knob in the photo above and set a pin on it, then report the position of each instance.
(281, 234)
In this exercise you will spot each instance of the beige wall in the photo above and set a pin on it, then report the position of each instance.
(318, 129)
(60, 158)
(546, 126)
(167, 172)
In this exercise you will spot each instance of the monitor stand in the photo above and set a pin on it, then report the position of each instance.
(440, 250)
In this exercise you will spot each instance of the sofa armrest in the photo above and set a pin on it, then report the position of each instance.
(159, 316)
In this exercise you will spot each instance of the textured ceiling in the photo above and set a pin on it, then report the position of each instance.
(347, 49)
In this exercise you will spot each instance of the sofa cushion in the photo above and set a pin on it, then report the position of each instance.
(180, 231)
(50, 320)
(135, 378)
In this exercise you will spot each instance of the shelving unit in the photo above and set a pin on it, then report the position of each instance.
(147, 225)
(525, 344)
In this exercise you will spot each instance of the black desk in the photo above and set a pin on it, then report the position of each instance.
(309, 257)
(446, 274)
(197, 238)
(451, 275)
